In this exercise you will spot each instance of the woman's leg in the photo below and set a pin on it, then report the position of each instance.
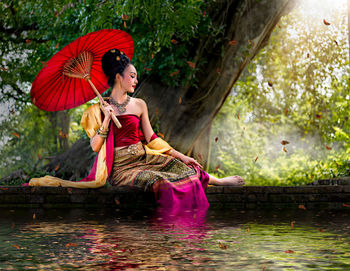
(231, 180)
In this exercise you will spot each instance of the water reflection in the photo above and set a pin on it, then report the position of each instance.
(166, 240)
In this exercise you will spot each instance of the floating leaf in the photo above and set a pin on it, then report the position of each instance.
(301, 206)
(289, 251)
(284, 142)
(222, 246)
(284, 149)
(71, 245)
(173, 41)
(191, 64)
(328, 148)
(232, 42)
(325, 22)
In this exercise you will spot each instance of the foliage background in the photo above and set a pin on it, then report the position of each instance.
(296, 89)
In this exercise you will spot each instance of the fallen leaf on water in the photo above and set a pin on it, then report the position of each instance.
(232, 42)
(284, 149)
(161, 135)
(292, 224)
(16, 134)
(191, 64)
(346, 205)
(328, 148)
(284, 142)
(269, 83)
(256, 159)
(16, 246)
(173, 41)
(71, 245)
(289, 251)
(174, 73)
(321, 230)
(325, 22)
(301, 206)
(34, 216)
(222, 246)
(216, 139)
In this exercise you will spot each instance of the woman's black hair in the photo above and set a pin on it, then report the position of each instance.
(113, 62)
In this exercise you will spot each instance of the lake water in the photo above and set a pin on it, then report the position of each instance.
(113, 239)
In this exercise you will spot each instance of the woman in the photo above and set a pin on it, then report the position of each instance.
(176, 179)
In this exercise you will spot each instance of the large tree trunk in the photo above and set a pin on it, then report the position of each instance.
(249, 23)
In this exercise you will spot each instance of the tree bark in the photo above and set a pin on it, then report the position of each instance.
(247, 22)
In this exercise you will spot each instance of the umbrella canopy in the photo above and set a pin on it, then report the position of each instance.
(54, 90)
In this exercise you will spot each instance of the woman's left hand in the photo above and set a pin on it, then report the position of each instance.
(190, 161)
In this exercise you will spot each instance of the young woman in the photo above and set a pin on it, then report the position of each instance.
(176, 179)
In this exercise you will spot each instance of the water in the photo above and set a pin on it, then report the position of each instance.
(109, 239)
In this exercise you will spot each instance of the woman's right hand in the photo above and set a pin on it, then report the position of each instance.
(107, 109)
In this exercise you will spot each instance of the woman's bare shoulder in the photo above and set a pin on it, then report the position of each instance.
(140, 102)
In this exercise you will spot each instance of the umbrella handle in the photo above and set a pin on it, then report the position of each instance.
(114, 118)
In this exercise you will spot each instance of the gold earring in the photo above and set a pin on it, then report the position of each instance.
(119, 85)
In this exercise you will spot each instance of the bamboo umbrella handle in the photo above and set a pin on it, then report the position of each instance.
(114, 118)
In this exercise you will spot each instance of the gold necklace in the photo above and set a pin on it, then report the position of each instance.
(120, 107)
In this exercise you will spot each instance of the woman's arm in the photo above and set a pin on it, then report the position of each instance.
(96, 141)
(148, 132)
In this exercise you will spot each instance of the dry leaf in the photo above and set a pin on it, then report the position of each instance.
(269, 83)
(264, 268)
(71, 245)
(286, 111)
(232, 42)
(16, 134)
(191, 64)
(57, 45)
(173, 41)
(256, 159)
(216, 139)
(34, 216)
(336, 42)
(217, 167)
(248, 229)
(222, 246)
(321, 230)
(57, 167)
(69, 190)
(62, 135)
(325, 22)
(152, 56)
(318, 116)
(125, 24)
(328, 148)
(180, 100)
(238, 115)
(289, 251)
(28, 41)
(301, 206)
(284, 142)
(16, 246)
(174, 73)
(284, 149)
(292, 224)
(308, 55)
(125, 17)
(160, 134)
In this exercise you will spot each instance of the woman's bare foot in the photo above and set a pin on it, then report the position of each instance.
(231, 180)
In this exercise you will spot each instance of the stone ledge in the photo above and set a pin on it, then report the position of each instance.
(315, 196)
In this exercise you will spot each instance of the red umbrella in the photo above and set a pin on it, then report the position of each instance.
(59, 85)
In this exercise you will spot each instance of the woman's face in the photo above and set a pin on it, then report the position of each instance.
(129, 81)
